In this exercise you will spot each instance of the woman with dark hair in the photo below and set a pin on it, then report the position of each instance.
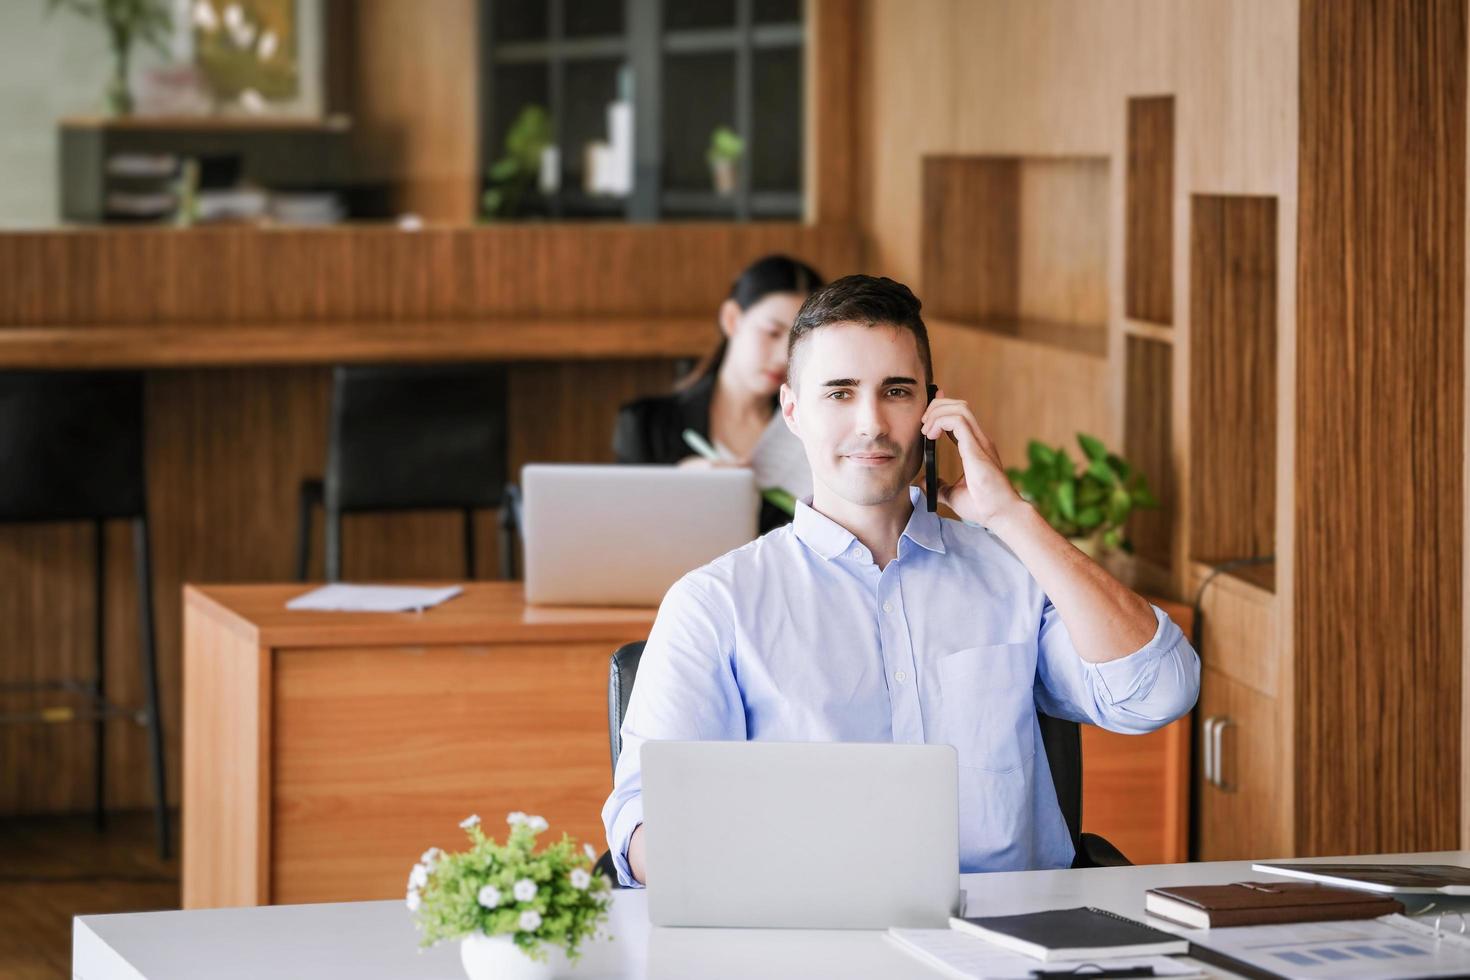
(730, 398)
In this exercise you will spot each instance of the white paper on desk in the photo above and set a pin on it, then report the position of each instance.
(779, 460)
(970, 958)
(340, 597)
(1368, 949)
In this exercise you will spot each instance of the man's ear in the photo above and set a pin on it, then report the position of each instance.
(729, 316)
(788, 409)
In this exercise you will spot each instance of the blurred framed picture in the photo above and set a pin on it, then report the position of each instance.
(249, 51)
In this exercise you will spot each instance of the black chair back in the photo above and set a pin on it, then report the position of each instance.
(71, 445)
(417, 437)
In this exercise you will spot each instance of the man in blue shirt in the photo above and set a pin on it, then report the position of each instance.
(869, 619)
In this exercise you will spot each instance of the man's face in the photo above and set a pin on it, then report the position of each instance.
(856, 407)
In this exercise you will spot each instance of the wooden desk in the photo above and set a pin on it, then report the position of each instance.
(324, 751)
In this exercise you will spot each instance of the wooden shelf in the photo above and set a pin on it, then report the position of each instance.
(334, 123)
(1232, 369)
(184, 345)
(1261, 577)
(1148, 275)
(1161, 332)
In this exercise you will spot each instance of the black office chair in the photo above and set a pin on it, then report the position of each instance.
(412, 438)
(71, 449)
(1061, 740)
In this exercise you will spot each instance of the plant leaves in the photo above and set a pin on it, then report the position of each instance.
(1092, 446)
(1102, 472)
(1089, 517)
(1067, 500)
(1039, 453)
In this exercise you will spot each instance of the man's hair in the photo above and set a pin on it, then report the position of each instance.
(870, 300)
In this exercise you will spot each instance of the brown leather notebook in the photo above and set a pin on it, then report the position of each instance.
(1257, 903)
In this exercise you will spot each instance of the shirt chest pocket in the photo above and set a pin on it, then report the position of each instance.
(987, 709)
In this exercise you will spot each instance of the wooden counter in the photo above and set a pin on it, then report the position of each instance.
(324, 752)
(184, 345)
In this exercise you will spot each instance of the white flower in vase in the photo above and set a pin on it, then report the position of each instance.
(530, 920)
(473, 820)
(489, 897)
(580, 879)
(524, 890)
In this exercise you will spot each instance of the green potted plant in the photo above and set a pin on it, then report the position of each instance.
(514, 173)
(516, 911)
(1089, 503)
(725, 150)
(125, 21)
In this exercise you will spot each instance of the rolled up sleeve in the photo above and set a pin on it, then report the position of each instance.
(685, 690)
(1135, 694)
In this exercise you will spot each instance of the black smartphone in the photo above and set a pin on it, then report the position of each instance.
(931, 471)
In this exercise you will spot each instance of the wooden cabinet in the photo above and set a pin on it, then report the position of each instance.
(1241, 782)
(324, 752)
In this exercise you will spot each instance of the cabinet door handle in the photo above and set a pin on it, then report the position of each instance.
(1219, 752)
(1207, 747)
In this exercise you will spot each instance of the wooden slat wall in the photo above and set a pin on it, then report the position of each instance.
(227, 448)
(235, 275)
(1380, 424)
(1232, 376)
(1149, 233)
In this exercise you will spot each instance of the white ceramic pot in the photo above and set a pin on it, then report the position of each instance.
(499, 958)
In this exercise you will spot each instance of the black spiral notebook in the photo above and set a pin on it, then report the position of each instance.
(1073, 934)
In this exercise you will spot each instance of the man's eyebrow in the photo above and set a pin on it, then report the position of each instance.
(855, 383)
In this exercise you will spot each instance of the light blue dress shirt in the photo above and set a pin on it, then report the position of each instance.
(800, 637)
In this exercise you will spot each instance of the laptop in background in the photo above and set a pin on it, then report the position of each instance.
(615, 535)
(794, 835)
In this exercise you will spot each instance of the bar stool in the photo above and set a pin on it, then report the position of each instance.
(412, 438)
(71, 449)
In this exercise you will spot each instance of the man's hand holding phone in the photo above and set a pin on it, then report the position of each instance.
(984, 494)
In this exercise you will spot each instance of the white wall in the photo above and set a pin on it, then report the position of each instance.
(58, 65)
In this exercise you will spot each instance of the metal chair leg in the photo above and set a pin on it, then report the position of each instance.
(149, 657)
(333, 556)
(99, 684)
(310, 495)
(469, 543)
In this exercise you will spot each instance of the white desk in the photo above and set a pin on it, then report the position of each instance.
(376, 940)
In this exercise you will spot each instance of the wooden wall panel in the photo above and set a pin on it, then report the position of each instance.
(160, 275)
(832, 71)
(1380, 424)
(1232, 377)
(972, 223)
(1148, 424)
(1148, 276)
(412, 94)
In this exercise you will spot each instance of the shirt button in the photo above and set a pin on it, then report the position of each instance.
(900, 676)
(888, 608)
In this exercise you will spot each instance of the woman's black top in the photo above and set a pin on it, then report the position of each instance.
(651, 430)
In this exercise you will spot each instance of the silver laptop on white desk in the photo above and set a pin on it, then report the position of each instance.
(612, 535)
(810, 835)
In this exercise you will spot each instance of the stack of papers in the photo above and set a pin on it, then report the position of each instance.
(372, 598)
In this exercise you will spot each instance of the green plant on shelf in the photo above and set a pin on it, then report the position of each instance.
(725, 150)
(1092, 501)
(515, 173)
(125, 21)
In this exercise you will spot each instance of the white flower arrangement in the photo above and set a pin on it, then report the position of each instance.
(540, 897)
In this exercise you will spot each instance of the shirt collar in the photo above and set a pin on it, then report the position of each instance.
(829, 539)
